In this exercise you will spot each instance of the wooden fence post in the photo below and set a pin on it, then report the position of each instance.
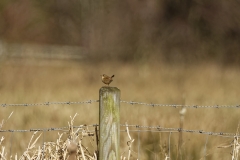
(109, 135)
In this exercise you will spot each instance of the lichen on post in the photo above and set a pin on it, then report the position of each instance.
(109, 120)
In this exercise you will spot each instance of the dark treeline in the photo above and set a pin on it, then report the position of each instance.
(173, 30)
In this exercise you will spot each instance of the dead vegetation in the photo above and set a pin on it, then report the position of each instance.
(71, 148)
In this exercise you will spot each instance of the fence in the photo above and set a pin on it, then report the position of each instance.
(109, 127)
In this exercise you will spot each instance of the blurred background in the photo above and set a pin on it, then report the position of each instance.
(168, 51)
(169, 30)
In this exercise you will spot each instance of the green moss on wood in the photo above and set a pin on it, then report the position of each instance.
(109, 123)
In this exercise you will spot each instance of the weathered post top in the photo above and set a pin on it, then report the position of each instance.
(109, 104)
(109, 89)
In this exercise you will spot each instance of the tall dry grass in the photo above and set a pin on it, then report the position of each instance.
(30, 81)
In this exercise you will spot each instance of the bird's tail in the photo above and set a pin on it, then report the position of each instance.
(112, 76)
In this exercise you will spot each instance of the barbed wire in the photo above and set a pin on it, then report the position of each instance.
(47, 129)
(132, 128)
(49, 103)
(180, 105)
(122, 101)
(164, 129)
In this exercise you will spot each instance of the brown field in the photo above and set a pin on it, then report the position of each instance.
(32, 81)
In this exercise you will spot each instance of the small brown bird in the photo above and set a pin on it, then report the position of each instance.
(106, 79)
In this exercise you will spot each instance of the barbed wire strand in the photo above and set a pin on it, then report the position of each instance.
(163, 129)
(122, 101)
(135, 128)
(48, 103)
(47, 129)
(179, 105)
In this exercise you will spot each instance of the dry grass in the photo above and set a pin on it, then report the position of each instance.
(30, 81)
(70, 148)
